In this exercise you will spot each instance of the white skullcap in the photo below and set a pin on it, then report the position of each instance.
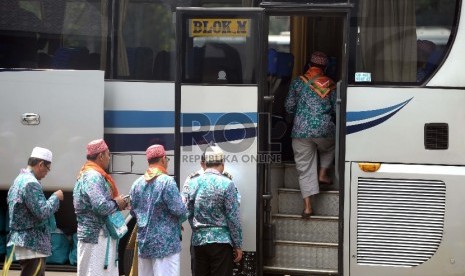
(42, 153)
(214, 154)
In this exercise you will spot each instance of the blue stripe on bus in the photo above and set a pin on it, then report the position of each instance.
(153, 119)
(218, 118)
(134, 119)
(140, 142)
(370, 124)
(362, 115)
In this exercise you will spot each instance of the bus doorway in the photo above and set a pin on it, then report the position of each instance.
(230, 91)
(291, 244)
(219, 99)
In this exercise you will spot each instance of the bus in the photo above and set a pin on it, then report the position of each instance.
(186, 74)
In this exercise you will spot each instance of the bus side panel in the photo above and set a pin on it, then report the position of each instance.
(137, 115)
(388, 124)
(227, 116)
(406, 220)
(70, 106)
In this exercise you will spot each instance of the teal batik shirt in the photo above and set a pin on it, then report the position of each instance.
(213, 210)
(29, 212)
(158, 208)
(314, 116)
(92, 204)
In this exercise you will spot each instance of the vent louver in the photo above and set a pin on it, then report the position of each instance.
(437, 136)
(399, 221)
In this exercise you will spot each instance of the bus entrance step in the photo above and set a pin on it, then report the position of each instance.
(274, 270)
(305, 255)
(326, 203)
(315, 229)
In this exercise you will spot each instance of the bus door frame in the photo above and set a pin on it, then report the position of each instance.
(264, 102)
(342, 10)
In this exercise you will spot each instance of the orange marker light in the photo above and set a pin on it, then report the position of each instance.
(369, 167)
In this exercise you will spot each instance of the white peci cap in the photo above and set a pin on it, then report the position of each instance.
(42, 153)
(214, 154)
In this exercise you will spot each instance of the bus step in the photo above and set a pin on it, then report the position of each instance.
(326, 203)
(272, 270)
(305, 255)
(315, 229)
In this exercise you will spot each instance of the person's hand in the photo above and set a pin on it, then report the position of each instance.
(121, 202)
(237, 253)
(59, 194)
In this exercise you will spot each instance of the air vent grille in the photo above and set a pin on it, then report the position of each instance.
(399, 221)
(437, 136)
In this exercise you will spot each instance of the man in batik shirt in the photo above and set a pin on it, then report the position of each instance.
(30, 213)
(95, 196)
(311, 100)
(213, 213)
(158, 208)
(185, 192)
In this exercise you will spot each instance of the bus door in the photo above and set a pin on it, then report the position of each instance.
(296, 30)
(218, 101)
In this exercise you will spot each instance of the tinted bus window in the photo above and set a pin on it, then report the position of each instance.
(145, 40)
(401, 41)
(220, 50)
(145, 43)
(53, 34)
(75, 34)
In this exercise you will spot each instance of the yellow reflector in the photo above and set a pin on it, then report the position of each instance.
(369, 167)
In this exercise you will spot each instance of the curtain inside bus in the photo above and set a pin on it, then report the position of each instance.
(123, 65)
(387, 37)
(299, 37)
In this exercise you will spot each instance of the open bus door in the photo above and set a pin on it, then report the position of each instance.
(219, 97)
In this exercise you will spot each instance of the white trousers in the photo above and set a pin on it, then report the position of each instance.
(91, 258)
(168, 266)
(305, 156)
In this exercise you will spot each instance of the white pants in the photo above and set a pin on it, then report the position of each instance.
(305, 156)
(168, 266)
(91, 258)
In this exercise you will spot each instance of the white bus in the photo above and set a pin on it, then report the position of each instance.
(188, 73)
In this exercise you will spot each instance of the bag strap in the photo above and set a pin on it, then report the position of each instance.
(117, 255)
(105, 264)
(39, 267)
(8, 261)
(107, 253)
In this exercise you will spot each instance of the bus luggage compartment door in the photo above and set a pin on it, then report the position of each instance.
(406, 220)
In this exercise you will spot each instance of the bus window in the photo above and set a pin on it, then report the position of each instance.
(52, 34)
(145, 41)
(220, 56)
(401, 41)
(81, 46)
(21, 34)
(279, 35)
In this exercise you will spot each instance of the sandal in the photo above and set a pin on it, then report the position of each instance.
(306, 215)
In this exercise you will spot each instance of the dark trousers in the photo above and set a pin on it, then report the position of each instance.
(30, 266)
(192, 260)
(215, 259)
